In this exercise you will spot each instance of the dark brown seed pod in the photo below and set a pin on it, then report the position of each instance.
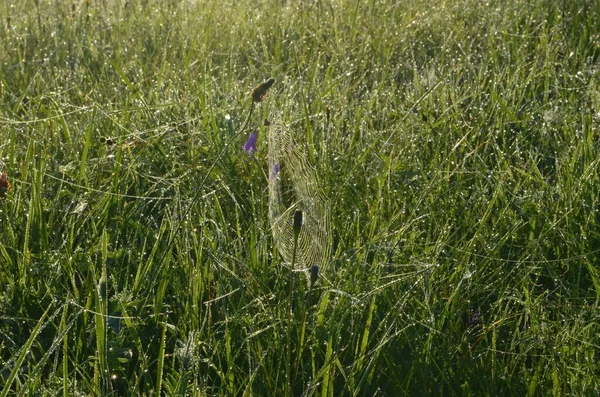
(260, 92)
(297, 225)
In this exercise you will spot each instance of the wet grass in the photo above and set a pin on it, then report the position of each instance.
(457, 143)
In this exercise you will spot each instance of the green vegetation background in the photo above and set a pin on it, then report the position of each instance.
(457, 143)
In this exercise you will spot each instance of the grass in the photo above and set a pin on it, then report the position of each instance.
(457, 143)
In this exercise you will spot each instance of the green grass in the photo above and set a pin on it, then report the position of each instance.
(457, 143)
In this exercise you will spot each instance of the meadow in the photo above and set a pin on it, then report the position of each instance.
(456, 146)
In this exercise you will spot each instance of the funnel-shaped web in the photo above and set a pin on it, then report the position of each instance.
(293, 185)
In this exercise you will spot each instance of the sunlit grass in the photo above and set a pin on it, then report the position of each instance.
(457, 144)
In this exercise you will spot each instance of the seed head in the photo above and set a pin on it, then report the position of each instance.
(297, 222)
(260, 91)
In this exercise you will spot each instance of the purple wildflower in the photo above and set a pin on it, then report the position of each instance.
(250, 145)
(469, 319)
(275, 170)
(475, 318)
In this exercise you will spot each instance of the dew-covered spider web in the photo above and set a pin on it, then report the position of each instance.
(293, 185)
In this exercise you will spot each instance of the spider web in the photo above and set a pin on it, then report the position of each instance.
(293, 185)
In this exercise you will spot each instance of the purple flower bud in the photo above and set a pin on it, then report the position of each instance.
(250, 145)
(275, 170)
